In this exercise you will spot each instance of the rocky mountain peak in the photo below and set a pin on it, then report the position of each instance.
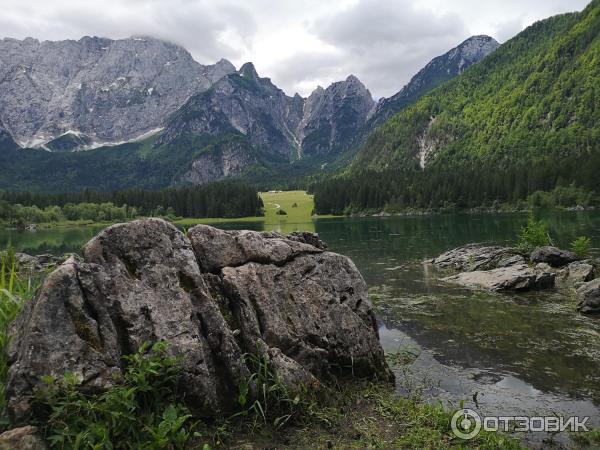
(352, 79)
(331, 115)
(351, 86)
(436, 72)
(472, 50)
(248, 71)
(319, 90)
(225, 64)
(106, 90)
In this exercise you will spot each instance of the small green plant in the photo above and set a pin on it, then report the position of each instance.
(271, 400)
(281, 212)
(15, 290)
(534, 234)
(265, 399)
(589, 439)
(581, 246)
(140, 410)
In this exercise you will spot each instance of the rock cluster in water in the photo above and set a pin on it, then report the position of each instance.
(213, 295)
(498, 268)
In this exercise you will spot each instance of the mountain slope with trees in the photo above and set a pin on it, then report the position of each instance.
(231, 124)
(524, 119)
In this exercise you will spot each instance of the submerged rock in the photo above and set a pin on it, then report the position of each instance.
(518, 277)
(38, 263)
(473, 257)
(212, 297)
(589, 297)
(553, 256)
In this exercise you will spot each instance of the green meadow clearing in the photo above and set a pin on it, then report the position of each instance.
(298, 206)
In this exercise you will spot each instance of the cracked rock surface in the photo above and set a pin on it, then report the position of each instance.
(494, 268)
(213, 297)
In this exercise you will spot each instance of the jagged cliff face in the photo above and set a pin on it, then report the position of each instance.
(332, 116)
(241, 103)
(227, 160)
(96, 90)
(72, 95)
(277, 125)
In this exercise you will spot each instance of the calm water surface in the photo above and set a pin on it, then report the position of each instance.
(518, 354)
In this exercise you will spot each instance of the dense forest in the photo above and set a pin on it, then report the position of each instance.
(435, 189)
(525, 119)
(212, 200)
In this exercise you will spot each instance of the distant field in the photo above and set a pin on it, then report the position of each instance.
(274, 201)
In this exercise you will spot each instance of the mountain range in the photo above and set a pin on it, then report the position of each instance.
(524, 119)
(110, 114)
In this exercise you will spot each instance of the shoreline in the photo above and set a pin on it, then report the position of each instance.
(282, 220)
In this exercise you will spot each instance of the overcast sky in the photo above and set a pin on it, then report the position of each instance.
(298, 44)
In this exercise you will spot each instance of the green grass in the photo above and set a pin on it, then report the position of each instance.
(298, 217)
(15, 289)
(359, 415)
(274, 201)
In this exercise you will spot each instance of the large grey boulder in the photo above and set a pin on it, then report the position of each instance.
(478, 257)
(589, 297)
(213, 298)
(553, 256)
(518, 278)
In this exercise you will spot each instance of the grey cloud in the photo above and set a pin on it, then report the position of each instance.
(196, 25)
(385, 43)
(372, 22)
(302, 66)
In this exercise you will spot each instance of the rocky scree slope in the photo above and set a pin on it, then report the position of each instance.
(95, 89)
(213, 295)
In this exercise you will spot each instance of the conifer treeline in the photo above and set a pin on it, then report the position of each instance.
(212, 200)
(462, 185)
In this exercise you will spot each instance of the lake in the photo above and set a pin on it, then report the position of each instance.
(503, 354)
